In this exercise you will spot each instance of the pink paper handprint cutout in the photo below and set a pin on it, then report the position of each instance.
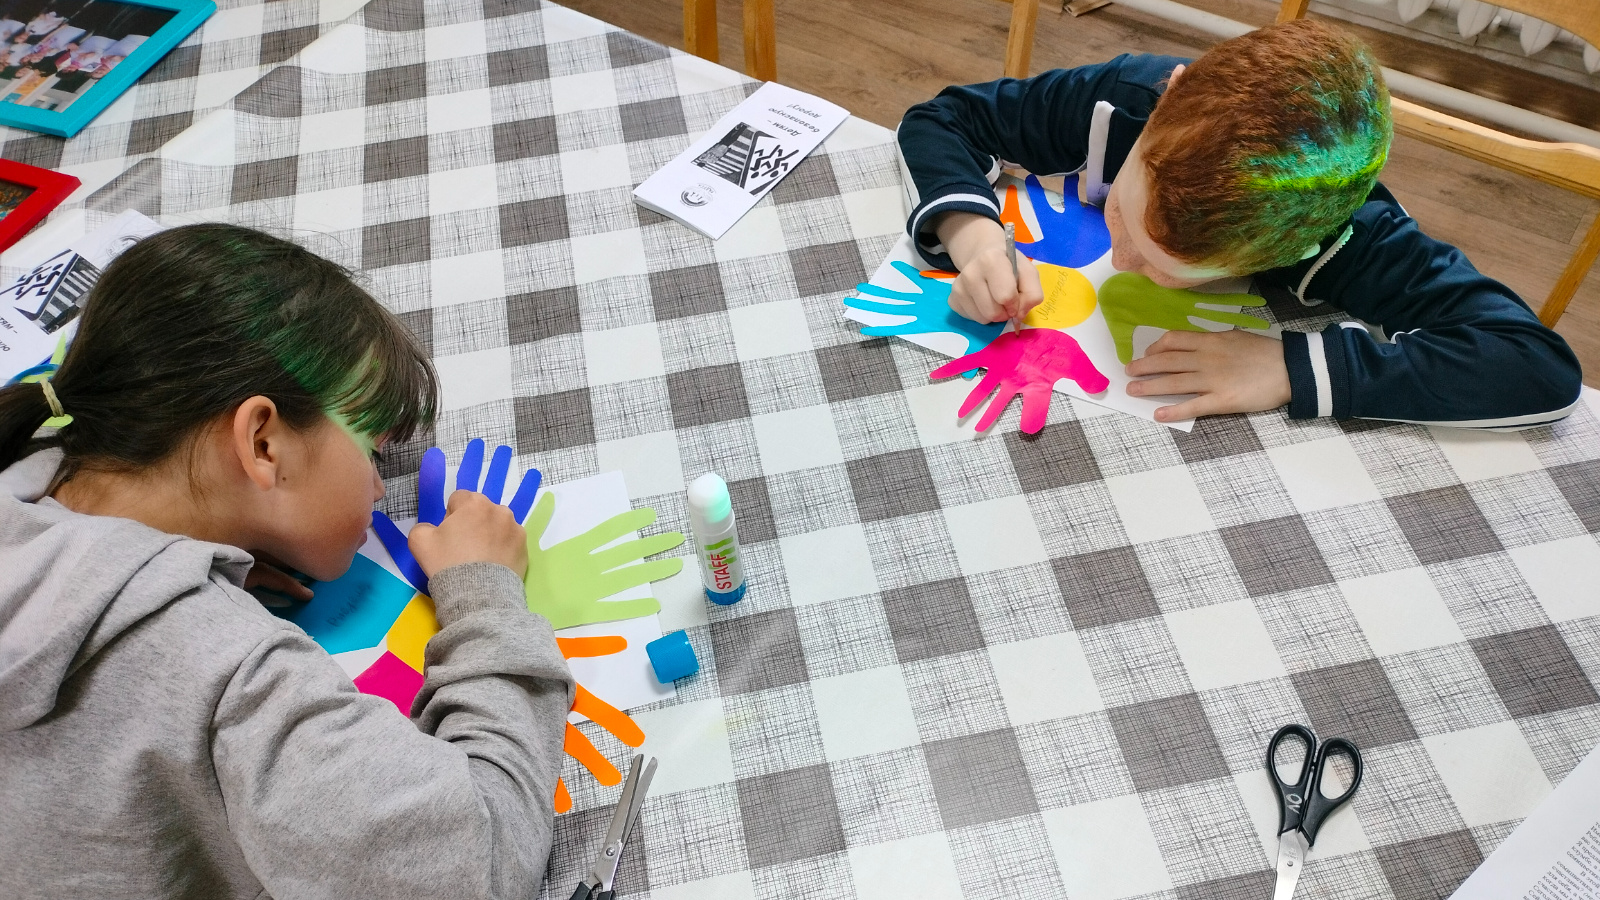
(1027, 362)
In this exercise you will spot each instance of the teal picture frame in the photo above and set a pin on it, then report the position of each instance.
(188, 15)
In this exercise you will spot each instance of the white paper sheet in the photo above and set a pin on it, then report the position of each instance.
(1092, 334)
(23, 344)
(711, 185)
(1555, 853)
(624, 680)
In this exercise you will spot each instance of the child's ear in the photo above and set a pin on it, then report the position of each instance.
(258, 440)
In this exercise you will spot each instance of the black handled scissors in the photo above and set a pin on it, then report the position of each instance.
(597, 884)
(1302, 806)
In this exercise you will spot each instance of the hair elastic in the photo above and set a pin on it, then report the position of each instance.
(51, 398)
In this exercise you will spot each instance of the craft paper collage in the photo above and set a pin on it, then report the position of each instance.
(372, 613)
(1111, 317)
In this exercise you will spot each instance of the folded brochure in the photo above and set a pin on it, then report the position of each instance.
(711, 185)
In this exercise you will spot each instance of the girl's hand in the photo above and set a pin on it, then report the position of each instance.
(267, 576)
(986, 291)
(475, 529)
(1232, 371)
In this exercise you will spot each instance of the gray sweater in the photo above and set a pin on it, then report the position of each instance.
(161, 735)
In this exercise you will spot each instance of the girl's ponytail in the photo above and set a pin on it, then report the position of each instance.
(23, 408)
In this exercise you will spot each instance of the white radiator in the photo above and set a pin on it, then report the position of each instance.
(1496, 32)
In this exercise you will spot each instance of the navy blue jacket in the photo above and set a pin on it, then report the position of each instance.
(1456, 347)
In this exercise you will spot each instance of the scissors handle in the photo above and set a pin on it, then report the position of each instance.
(583, 892)
(1318, 805)
(1292, 795)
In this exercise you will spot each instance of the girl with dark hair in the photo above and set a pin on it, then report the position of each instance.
(163, 735)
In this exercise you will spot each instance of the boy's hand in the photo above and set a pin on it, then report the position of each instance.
(475, 529)
(986, 291)
(1232, 371)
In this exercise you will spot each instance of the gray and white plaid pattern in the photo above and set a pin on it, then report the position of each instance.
(1047, 662)
(243, 40)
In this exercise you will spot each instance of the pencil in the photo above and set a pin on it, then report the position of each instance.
(1011, 253)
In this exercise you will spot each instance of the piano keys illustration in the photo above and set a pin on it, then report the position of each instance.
(754, 160)
(52, 294)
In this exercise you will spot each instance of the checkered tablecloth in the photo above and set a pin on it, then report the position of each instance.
(243, 40)
(967, 666)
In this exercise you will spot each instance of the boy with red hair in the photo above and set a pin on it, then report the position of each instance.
(1259, 158)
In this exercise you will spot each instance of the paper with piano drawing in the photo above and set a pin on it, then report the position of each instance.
(51, 288)
(711, 185)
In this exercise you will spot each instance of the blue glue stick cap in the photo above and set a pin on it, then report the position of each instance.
(672, 657)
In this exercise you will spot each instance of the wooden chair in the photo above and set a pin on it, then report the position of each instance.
(1575, 167)
(761, 42)
(760, 35)
(1019, 40)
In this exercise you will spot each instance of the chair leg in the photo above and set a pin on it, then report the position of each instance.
(700, 28)
(1572, 276)
(1289, 10)
(1019, 41)
(760, 40)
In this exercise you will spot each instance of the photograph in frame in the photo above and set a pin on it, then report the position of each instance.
(27, 195)
(64, 61)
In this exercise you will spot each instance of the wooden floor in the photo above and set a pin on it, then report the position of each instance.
(877, 57)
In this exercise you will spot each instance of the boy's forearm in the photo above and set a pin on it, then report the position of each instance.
(965, 235)
(1463, 349)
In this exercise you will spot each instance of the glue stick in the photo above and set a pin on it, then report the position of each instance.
(716, 539)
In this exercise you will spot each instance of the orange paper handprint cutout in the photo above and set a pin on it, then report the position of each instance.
(1011, 214)
(397, 676)
(613, 720)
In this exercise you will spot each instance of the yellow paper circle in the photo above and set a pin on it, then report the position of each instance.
(1068, 298)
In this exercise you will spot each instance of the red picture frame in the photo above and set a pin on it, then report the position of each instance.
(46, 190)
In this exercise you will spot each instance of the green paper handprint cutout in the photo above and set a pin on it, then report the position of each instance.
(568, 583)
(1128, 300)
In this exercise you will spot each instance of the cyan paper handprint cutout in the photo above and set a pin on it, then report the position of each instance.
(1073, 237)
(1027, 362)
(929, 304)
(1128, 300)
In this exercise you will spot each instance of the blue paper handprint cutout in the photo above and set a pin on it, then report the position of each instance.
(431, 498)
(929, 304)
(1076, 236)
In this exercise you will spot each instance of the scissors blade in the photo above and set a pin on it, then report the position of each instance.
(639, 792)
(624, 812)
(1291, 859)
(605, 866)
